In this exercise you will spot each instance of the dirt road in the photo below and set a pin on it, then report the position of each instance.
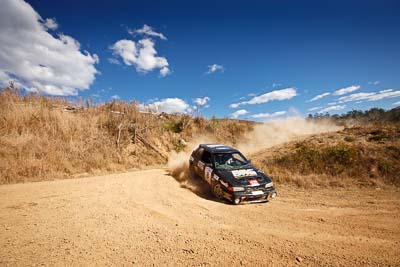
(146, 218)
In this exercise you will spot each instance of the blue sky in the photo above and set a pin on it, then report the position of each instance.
(230, 52)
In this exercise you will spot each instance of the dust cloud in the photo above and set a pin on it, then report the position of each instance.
(178, 167)
(263, 136)
(275, 133)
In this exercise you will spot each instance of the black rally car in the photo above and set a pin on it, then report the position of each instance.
(230, 174)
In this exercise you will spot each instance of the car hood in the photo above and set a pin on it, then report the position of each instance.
(244, 177)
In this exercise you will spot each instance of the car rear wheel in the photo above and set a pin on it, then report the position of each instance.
(217, 190)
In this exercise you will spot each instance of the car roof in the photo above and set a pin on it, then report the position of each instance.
(212, 148)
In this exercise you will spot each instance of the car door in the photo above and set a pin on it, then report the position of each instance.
(208, 170)
(198, 165)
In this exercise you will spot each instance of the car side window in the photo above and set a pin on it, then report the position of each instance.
(206, 158)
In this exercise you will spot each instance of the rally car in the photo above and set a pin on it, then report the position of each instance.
(230, 175)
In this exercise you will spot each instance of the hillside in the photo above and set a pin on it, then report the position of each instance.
(45, 138)
(50, 138)
(368, 155)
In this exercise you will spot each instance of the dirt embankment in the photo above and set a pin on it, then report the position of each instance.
(363, 156)
(146, 218)
(44, 138)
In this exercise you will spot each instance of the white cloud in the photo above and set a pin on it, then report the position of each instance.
(164, 71)
(238, 113)
(5, 80)
(147, 59)
(116, 97)
(170, 105)
(375, 82)
(266, 116)
(314, 108)
(282, 94)
(332, 108)
(347, 90)
(390, 93)
(35, 59)
(142, 55)
(113, 61)
(147, 30)
(51, 24)
(318, 97)
(373, 96)
(126, 49)
(356, 97)
(396, 103)
(201, 101)
(276, 85)
(214, 68)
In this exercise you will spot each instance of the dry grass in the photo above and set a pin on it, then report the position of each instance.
(365, 156)
(40, 140)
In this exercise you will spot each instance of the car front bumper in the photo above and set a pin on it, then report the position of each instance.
(254, 196)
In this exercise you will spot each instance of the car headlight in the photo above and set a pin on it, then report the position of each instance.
(271, 184)
(238, 188)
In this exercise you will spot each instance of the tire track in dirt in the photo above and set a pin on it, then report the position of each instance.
(146, 218)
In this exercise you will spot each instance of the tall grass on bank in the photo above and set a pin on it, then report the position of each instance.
(40, 139)
(368, 155)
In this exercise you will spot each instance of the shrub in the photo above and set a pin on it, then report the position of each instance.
(377, 135)
(308, 159)
(175, 127)
(349, 139)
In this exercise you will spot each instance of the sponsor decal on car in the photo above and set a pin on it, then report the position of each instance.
(257, 193)
(244, 173)
(223, 183)
(216, 177)
(254, 182)
(208, 174)
(201, 165)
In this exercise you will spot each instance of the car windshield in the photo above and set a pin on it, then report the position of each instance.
(228, 161)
